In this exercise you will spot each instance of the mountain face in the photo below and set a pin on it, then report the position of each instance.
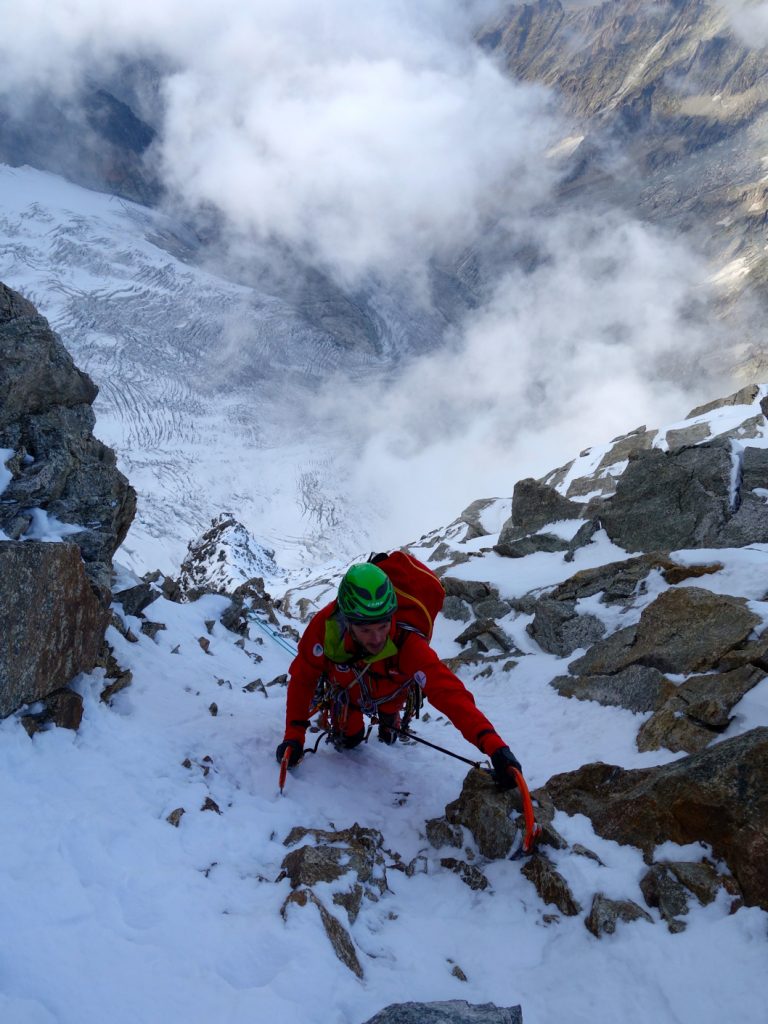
(206, 385)
(93, 139)
(670, 107)
(209, 359)
(58, 483)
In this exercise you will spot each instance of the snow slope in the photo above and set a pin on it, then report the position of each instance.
(114, 914)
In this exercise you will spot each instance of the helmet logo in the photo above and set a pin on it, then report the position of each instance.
(366, 594)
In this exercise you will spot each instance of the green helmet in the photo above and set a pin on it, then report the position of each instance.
(366, 594)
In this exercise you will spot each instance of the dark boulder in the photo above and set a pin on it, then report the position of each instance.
(52, 621)
(604, 914)
(36, 371)
(59, 466)
(718, 797)
(684, 498)
(697, 710)
(558, 629)
(530, 545)
(135, 599)
(686, 629)
(550, 884)
(54, 596)
(485, 810)
(635, 688)
(452, 1011)
(534, 505)
(664, 891)
(616, 581)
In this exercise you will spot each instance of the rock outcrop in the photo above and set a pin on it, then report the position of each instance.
(686, 629)
(452, 1011)
(58, 465)
(52, 622)
(718, 797)
(224, 558)
(697, 496)
(675, 89)
(54, 597)
(351, 860)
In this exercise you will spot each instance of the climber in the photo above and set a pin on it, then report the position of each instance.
(358, 657)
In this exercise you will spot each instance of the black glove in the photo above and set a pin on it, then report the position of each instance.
(297, 752)
(503, 761)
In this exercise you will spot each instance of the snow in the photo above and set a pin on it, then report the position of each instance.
(493, 517)
(5, 473)
(5, 476)
(46, 527)
(111, 913)
(116, 914)
(566, 529)
(517, 576)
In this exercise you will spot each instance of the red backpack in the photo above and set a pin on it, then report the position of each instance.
(420, 594)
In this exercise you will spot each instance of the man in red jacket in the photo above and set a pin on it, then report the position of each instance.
(355, 659)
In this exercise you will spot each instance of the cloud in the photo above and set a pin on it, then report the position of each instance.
(608, 333)
(369, 138)
(365, 135)
(749, 20)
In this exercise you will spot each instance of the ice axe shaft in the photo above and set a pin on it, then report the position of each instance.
(284, 768)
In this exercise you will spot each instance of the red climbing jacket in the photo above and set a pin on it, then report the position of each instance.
(376, 683)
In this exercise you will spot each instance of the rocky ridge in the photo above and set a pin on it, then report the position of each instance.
(60, 483)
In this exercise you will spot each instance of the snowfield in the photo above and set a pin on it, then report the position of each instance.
(112, 913)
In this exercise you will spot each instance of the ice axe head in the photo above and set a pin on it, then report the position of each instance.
(532, 829)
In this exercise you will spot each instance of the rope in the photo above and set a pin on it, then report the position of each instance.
(279, 639)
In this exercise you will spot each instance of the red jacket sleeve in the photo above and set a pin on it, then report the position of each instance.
(303, 675)
(446, 692)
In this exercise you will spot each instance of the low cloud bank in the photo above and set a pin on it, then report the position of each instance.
(364, 135)
(611, 331)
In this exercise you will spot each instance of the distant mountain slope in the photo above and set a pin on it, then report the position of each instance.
(671, 107)
(94, 139)
(205, 384)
